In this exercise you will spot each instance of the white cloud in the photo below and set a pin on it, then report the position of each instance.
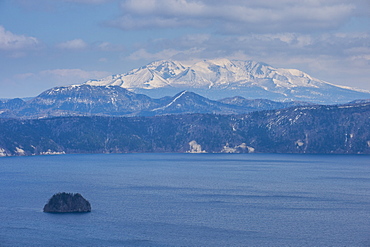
(143, 54)
(270, 45)
(336, 57)
(10, 41)
(24, 76)
(55, 5)
(60, 77)
(129, 22)
(235, 16)
(103, 60)
(87, 1)
(166, 7)
(73, 74)
(76, 44)
(107, 46)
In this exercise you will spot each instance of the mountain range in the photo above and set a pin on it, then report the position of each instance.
(247, 86)
(86, 100)
(112, 116)
(221, 78)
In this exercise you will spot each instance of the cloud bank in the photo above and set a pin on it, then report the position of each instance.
(236, 16)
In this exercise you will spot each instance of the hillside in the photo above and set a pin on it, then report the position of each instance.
(341, 129)
(85, 100)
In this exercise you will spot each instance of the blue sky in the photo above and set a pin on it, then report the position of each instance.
(47, 43)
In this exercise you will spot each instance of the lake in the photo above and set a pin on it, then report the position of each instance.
(188, 200)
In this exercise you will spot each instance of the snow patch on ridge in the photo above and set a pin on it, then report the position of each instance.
(20, 151)
(172, 102)
(242, 148)
(50, 152)
(195, 148)
(3, 153)
(299, 143)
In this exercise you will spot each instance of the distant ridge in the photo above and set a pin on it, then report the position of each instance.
(86, 100)
(221, 78)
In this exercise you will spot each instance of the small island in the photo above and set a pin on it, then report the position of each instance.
(67, 203)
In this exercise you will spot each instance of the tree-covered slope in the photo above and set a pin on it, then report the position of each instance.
(310, 129)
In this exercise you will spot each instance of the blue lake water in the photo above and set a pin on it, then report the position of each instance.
(188, 200)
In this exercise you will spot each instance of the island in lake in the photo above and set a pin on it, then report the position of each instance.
(67, 203)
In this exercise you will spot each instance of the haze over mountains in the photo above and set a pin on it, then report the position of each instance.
(221, 78)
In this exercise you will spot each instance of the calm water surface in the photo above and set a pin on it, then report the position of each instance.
(188, 200)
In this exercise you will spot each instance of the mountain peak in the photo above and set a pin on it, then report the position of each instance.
(220, 78)
(222, 62)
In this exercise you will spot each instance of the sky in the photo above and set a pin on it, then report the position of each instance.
(48, 43)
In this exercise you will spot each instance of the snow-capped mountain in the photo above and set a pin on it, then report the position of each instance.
(221, 78)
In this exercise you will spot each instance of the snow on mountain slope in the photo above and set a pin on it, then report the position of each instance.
(189, 102)
(220, 78)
